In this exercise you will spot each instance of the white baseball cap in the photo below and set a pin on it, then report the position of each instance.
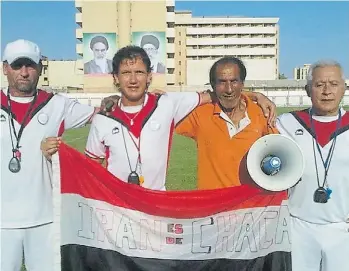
(21, 49)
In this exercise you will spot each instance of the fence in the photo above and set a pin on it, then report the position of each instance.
(280, 98)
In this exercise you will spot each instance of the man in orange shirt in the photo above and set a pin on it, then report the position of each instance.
(226, 128)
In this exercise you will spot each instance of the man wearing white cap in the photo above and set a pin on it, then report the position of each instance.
(29, 115)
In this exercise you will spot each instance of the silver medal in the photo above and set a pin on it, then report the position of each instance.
(14, 165)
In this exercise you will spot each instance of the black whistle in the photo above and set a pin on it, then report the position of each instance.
(133, 178)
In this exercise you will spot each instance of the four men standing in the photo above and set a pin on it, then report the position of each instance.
(135, 138)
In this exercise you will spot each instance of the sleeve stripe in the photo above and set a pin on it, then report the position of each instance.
(199, 102)
(95, 111)
(92, 155)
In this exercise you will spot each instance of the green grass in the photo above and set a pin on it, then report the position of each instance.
(182, 166)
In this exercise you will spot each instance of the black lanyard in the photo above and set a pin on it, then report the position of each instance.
(20, 132)
(326, 163)
(138, 147)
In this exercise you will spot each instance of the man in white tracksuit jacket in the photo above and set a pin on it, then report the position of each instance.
(319, 203)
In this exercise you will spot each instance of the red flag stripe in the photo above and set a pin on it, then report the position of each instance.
(80, 175)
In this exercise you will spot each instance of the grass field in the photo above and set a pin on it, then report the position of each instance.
(182, 166)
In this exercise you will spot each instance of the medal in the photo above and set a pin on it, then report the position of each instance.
(133, 178)
(14, 165)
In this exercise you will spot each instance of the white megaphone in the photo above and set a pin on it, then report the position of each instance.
(275, 162)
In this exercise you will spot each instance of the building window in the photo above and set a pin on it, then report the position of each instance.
(180, 62)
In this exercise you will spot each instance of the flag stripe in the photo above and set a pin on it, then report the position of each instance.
(101, 185)
(82, 258)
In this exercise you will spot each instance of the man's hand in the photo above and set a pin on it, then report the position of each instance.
(158, 91)
(108, 104)
(268, 107)
(49, 146)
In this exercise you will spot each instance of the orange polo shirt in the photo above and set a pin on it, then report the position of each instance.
(221, 158)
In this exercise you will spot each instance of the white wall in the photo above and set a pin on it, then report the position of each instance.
(257, 69)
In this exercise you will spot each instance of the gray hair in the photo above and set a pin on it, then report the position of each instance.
(322, 64)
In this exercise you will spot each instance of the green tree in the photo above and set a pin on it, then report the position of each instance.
(282, 76)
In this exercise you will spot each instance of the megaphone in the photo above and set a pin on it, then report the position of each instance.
(275, 162)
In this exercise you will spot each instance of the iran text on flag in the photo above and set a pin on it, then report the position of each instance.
(102, 223)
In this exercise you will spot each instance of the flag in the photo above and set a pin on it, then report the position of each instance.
(102, 223)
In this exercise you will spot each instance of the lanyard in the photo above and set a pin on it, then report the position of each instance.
(326, 163)
(11, 122)
(138, 147)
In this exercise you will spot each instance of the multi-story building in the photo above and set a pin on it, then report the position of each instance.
(186, 46)
(200, 41)
(105, 27)
(56, 75)
(300, 73)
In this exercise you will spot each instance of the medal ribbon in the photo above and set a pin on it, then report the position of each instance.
(326, 163)
(11, 123)
(138, 147)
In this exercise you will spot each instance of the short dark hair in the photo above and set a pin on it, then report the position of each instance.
(223, 61)
(97, 39)
(130, 52)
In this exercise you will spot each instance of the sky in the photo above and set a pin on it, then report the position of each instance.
(309, 31)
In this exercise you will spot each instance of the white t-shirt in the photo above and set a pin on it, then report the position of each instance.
(154, 125)
(296, 125)
(26, 196)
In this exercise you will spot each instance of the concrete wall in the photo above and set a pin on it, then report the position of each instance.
(257, 69)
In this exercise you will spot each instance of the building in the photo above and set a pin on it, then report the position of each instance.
(186, 46)
(200, 41)
(300, 73)
(105, 27)
(59, 75)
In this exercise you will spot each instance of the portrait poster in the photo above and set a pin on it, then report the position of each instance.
(154, 43)
(99, 50)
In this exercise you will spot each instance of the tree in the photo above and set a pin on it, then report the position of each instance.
(282, 76)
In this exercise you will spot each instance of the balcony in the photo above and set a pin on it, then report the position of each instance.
(78, 18)
(170, 17)
(78, 33)
(170, 32)
(170, 63)
(170, 48)
(170, 78)
(170, 3)
(78, 4)
(80, 49)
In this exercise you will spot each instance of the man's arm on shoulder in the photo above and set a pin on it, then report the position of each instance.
(95, 148)
(267, 106)
(188, 126)
(282, 124)
(77, 115)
